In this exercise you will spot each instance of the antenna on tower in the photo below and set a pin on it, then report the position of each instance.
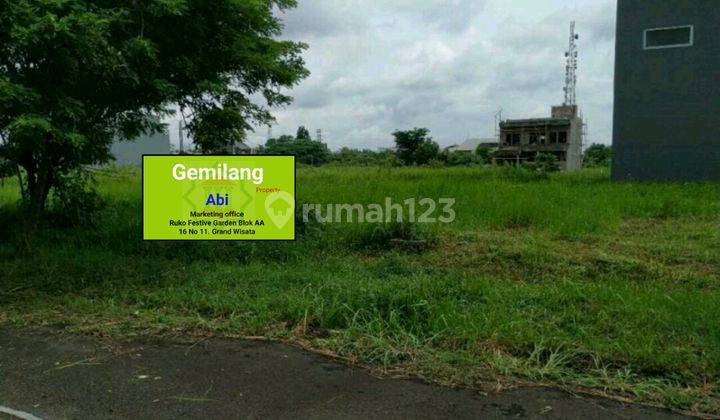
(498, 120)
(571, 67)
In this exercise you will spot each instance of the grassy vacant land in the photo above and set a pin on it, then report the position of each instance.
(570, 280)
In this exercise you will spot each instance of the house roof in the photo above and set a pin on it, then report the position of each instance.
(240, 145)
(470, 145)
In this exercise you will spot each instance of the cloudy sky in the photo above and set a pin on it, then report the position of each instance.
(448, 65)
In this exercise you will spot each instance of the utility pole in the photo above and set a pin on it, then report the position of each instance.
(181, 137)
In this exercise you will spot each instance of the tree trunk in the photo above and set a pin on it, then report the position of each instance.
(39, 183)
(21, 182)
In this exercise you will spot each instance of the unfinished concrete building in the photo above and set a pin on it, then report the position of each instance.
(561, 135)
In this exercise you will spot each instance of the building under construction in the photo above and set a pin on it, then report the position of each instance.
(561, 135)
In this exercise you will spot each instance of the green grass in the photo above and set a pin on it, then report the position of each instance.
(571, 280)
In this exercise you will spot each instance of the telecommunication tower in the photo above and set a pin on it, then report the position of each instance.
(571, 67)
(498, 120)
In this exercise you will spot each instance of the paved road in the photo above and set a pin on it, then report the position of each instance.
(55, 376)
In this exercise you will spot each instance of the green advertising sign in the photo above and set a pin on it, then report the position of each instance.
(218, 198)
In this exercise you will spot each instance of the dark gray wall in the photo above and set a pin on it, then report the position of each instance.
(667, 101)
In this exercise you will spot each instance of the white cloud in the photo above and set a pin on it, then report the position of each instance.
(449, 65)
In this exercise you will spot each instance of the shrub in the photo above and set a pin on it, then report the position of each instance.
(463, 159)
(75, 201)
(484, 154)
(544, 163)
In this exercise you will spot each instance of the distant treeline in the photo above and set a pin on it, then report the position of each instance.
(412, 148)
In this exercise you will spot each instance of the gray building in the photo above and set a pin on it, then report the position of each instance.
(129, 153)
(561, 135)
(667, 90)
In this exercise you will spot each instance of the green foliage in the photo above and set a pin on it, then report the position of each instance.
(384, 236)
(520, 174)
(302, 133)
(415, 147)
(7, 168)
(352, 157)
(75, 200)
(218, 130)
(307, 151)
(544, 163)
(74, 74)
(484, 154)
(461, 159)
(598, 156)
(426, 151)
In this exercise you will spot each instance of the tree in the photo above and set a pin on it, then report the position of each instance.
(414, 147)
(76, 74)
(460, 158)
(306, 151)
(365, 157)
(484, 154)
(303, 133)
(544, 163)
(598, 155)
(283, 145)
